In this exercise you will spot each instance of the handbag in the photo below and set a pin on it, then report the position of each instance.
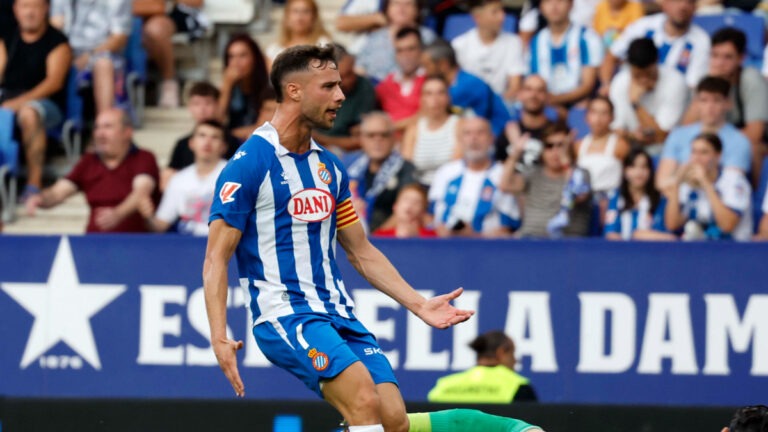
(148, 8)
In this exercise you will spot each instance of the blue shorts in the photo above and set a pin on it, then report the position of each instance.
(318, 347)
(49, 112)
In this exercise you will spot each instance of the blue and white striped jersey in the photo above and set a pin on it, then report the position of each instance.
(288, 208)
(560, 66)
(625, 221)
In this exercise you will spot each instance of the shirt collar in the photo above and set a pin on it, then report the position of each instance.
(269, 133)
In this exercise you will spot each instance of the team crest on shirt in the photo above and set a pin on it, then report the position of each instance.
(323, 173)
(311, 205)
(320, 360)
(227, 191)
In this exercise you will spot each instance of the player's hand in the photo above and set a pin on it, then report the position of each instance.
(226, 355)
(440, 313)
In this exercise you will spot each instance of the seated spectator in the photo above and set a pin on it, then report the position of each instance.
(380, 172)
(713, 104)
(187, 17)
(531, 20)
(115, 178)
(749, 91)
(749, 419)
(361, 17)
(244, 78)
(566, 55)
(203, 105)
(301, 25)
(613, 16)
(433, 140)
(762, 231)
(97, 34)
(408, 215)
(360, 98)
(602, 150)
(529, 120)
(705, 202)
(649, 98)
(635, 210)
(187, 198)
(376, 55)
(467, 91)
(556, 195)
(34, 62)
(493, 380)
(489, 52)
(682, 45)
(400, 91)
(465, 196)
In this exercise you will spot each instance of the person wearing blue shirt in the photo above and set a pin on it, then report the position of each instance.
(712, 98)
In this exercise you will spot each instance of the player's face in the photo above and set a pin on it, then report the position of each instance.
(477, 138)
(377, 138)
(202, 108)
(555, 150)
(110, 137)
(556, 11)
(599, 116)
(240, 58)
(702, 153)
(31, 14)
(490, 17)
(322, 95)
(299, 17)
(402, 12)
(410, 206)
(408, 54)
(533, 94)
(712, 107)
(434, 96)
(638, 173)
(207, 143)
(679, 12)
(724, 60)
(507, 357)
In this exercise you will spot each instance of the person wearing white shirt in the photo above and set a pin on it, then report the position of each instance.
(762, 232)
(681, 44)
(190, 192)
(489, 52)
(648, 98)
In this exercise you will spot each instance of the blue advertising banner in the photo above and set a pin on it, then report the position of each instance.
(593, 321)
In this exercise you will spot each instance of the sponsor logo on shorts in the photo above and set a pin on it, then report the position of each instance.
(227, 190)
(320, 360)
(311, 205)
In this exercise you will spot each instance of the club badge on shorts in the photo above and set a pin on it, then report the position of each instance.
(319, 360)
(323, 173)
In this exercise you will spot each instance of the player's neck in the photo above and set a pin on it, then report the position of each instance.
(294, 132)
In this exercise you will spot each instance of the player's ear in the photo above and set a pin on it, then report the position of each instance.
(293, 91)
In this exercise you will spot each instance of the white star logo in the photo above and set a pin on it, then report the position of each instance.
(62, 308)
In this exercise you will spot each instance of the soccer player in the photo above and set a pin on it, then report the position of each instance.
(282, 206)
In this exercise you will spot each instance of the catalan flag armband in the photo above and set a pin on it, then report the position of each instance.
(345, 215)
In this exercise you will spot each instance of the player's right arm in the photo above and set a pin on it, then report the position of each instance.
(222, 241)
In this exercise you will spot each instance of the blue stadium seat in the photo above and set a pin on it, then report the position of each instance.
(759, 194)
(9, 165)
(457, 24)
(753, 26)
(577, 120)
(136, 72)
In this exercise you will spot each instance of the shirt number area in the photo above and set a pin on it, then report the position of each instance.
(311, 205)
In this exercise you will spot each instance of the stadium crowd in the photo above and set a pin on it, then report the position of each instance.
(597, 118)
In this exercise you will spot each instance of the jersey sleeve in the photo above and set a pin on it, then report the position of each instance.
(509, 211)
(345, 211)
(735, 192)
(236, 192)
(613, 214)
(594, 49)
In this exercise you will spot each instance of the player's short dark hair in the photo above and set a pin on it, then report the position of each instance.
(340, 51)
(409, 31)
(642, 53)
(750, 419)
(298, 59)
(732, 35)
(211, 123)
(441, 50)
(712, 139)
(717, 85)
(555, 128)
(204, 89)
(475, 4)
(486, 344)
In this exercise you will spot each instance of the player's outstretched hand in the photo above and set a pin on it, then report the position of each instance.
(226, 354)
(440, 313)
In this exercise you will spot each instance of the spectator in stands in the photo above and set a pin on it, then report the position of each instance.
(635, 210)
(489, 52)
(34, 62)
(602, 150)
(360, 98)
(380, 172)
(244, 78)
(433, 140)
(203, 105)
(713, 105)
(115, 178)
(682, 44)
(749, 419)
(613, 16)
(493, 380)
(530, 119)
(408, 215)
(361, 17)
(531, 19)
(301, 25)
(557, 195)
(649, 98)
(465, 195)
(400, 92)
(376, 56)
(749, 91)
(187, 17)
(705, 202)
(467, 91)
(762, 231)
(187, 198)
(97, 34)
(566, 55)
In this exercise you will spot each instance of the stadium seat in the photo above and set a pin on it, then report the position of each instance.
(577, 120)
(9, 164)
(753, 26)
(136, 72)
(759, 194)
(71, 131)
(457, 24)
(229, 15)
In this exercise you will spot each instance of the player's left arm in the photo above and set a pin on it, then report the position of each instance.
(376, 269)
